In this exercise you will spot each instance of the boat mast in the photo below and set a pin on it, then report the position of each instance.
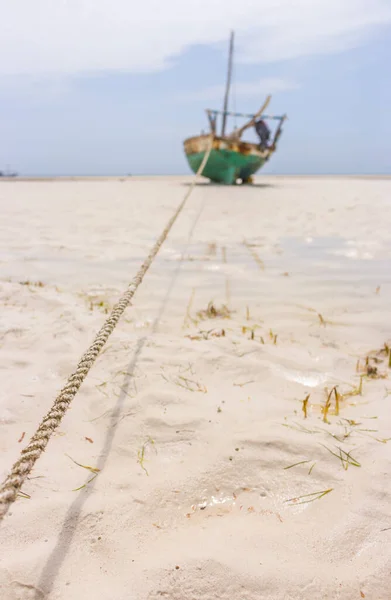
(228, 85)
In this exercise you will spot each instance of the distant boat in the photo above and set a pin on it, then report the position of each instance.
(8, 173)
(232, 160)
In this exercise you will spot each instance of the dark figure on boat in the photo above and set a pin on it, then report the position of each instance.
(263, 133)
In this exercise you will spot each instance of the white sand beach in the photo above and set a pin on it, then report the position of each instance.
(194, 416)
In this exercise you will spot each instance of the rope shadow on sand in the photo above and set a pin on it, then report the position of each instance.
(57, 557)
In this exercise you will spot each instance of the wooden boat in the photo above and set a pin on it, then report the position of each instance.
(231, 160)
(8, 174)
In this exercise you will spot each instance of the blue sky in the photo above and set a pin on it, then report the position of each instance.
(105, 88)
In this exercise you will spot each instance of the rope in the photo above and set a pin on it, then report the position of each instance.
(29, 455)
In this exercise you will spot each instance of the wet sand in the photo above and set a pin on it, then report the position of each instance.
(193, 415)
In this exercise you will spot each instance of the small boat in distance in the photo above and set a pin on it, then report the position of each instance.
(232, 160)
(8, 174)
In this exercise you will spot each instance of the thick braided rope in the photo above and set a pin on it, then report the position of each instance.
(29, 455)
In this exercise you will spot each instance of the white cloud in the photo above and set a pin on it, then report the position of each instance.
(260, 88)
(39, 88)
(44, 37)
(267, 85)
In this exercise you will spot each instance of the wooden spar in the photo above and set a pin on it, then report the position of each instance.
(245, 115)
(237, 134)
(278, 132)
(212, 121)
(228, 85)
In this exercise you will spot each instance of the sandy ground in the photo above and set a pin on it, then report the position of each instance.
(193, 416)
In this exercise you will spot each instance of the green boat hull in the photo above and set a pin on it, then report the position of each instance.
(225, 166)
(228, 161)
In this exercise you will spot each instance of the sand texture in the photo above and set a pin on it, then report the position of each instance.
(260, 298)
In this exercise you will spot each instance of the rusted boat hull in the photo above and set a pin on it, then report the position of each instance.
(229, 160)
